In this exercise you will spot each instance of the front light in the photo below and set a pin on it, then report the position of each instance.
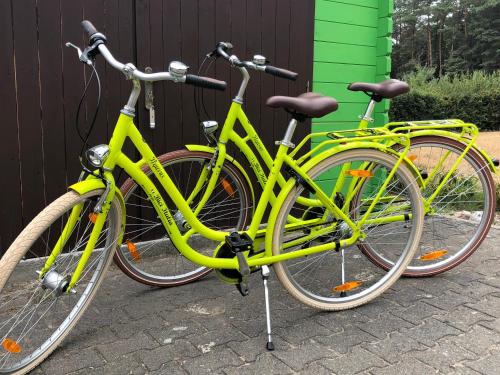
(97, 155)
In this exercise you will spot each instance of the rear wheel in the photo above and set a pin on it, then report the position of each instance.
(461, 214)
(343, 279)
(147, 255)
(37, 313)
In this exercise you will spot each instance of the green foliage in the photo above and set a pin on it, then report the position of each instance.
(498, 196)
(472, 98)
(453, 36)
(459, 192)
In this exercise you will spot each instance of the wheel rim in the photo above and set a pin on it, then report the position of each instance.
(30, 326)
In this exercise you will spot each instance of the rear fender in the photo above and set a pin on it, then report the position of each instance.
(230, 159)
(319, 158)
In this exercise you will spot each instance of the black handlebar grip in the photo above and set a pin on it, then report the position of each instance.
(208, 83)
(89, 28)
(282, 73)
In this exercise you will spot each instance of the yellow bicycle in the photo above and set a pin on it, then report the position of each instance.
(51, 272)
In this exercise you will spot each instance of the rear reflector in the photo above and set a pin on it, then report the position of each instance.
(11, 346)
(359, 173)
(133, 250)
(350, 285)
(227, 187)
(433, 255)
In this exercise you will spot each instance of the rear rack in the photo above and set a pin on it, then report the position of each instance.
(466, 130)
(331, 139)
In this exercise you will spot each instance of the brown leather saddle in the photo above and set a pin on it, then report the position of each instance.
(308, 105)
(384, 90)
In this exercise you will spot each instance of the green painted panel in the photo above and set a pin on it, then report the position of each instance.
(344, 53)
(332, 126)
(342, 73)
(365, 3)
(346, 112)
(385, 26)
(385, 8)
(384, 46)
(346, 13)
(339, 91)
(383, 65)
(382, 106)
(352, 42)
(381, 119)
(342, 33)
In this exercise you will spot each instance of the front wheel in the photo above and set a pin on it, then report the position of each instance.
(345, 278)
(37, 313)
(147, 255)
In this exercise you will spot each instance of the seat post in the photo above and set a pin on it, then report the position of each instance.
(287, 139)
(369, 111)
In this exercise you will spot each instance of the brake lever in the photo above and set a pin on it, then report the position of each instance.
(83, 58)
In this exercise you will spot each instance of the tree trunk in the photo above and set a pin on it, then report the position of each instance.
(440, 54)
(429, 47)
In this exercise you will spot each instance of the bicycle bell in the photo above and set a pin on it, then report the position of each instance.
(259, 60)
(177, 69)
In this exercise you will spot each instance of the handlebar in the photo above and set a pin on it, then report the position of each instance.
(223, 47)
(97, 42)
(282, 73)
(89, 28)
(205, 82)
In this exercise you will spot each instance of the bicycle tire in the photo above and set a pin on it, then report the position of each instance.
(13, 272)
(437, 236)
(314, 292)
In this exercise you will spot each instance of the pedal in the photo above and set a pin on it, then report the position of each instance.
(239, 243)
(242, 286)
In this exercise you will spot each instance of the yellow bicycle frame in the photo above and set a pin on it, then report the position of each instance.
(125, 128)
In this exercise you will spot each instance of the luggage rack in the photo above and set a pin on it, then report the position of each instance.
(343, 137)
(466, 130)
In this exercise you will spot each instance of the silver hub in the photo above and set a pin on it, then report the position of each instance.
(56, 282)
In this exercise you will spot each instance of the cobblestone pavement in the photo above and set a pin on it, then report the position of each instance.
(446, 324)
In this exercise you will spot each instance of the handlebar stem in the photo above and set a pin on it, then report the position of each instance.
(243, 86)
(129, 108)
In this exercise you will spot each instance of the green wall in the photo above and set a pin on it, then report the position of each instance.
(352, 42)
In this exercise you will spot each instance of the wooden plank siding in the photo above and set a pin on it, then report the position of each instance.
(42, 80)
(351, 43)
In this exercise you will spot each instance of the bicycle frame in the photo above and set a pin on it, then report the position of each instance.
(456, 129)
(125, 128)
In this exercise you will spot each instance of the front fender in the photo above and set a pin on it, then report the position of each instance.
(229, 158)
(91, 183)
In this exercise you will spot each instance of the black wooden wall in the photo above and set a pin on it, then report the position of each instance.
(41, 80)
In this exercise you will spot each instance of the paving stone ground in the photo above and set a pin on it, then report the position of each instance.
(448, 324)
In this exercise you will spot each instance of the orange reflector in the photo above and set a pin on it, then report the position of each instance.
(412, 157)
(227, 187)
(93, 217)
(350, 285)
(11, 346)
(433, 255)
(359, 173)
(133, 250)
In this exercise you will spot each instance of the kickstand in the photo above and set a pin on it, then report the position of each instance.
(265, 276)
